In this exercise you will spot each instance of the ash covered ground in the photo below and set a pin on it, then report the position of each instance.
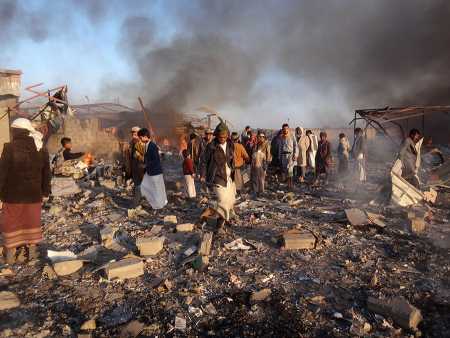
(254, 288)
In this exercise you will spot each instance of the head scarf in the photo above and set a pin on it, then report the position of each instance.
(221, 128)
(135, 129)
(22, 123)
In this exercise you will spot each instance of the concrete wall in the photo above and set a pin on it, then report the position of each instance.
(87, 136)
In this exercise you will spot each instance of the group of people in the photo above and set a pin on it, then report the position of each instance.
(219, 160)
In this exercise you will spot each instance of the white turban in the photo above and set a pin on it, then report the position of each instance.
(22, 123)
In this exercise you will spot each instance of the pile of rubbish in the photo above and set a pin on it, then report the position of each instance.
(318, 261)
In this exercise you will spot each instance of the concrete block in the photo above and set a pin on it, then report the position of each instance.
(149, 246)
(205, 246)
(65, 268)
(296, 240)
(8, 300)
(170, 220)
(402, 313)
(125, 269)
(186, 227)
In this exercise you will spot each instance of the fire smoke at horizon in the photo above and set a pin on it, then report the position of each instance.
(258, 59)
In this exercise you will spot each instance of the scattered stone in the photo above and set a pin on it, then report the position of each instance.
(261, 295)
(65, 268)
(297, 240)
(89, 325)
(149, 246)
(8, 300)
(125, 269)
(84, 335)
(205, 246)
(170, 220)
(210, 309)
(403, 314)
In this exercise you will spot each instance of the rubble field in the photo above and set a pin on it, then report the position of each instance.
(321, 261)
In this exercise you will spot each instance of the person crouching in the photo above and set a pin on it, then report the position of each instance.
(218, 172)
(24, 180)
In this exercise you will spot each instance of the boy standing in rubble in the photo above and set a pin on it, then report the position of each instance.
(218, 172)
(152, 187)
(409, 157)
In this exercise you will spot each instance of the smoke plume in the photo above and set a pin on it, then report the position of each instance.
(256, 60)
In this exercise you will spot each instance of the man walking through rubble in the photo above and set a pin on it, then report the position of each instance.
(134, 164)
(359, 153)
(219, 173)
(261, 158)
(24, 180)
(303, 146)
(409, 156)
(152, 187)
(288, 151)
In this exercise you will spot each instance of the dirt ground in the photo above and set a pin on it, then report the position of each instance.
(320, 292)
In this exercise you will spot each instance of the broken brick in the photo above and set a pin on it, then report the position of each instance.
(402, 313)
(205, 246)
(296, 240)
(186, 227)
(125, 269)
(149, 246)
(170, 220)
(8, 300)
(65, 268)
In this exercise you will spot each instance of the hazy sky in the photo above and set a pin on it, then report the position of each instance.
(259, 62)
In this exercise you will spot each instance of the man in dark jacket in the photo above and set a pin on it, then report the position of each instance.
(24, 181)
(218, 172)
(408, 155)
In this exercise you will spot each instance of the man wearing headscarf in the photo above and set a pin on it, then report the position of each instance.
(219, 173)
(288, 151)
(24, 180)
(303, 145)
